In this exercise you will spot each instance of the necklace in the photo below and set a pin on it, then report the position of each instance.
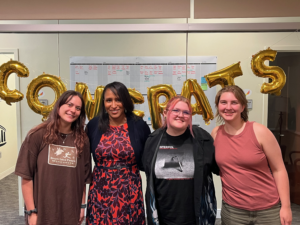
(63, 137)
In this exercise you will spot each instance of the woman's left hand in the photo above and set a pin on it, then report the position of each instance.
(285, 215)
(81, 217)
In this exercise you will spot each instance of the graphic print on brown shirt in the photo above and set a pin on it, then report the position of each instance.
(59, 155)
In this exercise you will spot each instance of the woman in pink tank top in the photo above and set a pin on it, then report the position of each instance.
(255, 185)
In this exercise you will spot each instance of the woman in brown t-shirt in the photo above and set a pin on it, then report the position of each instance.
(55, 164)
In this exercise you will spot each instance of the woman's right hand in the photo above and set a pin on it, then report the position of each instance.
(32, 219)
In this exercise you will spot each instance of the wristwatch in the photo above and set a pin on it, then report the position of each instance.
(30, 212)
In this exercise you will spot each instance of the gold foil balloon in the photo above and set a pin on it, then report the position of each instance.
(202, 106)
(44, 80)
(139, 113)
(5, 70)
(224, 76)
(156, 108)
(274, 72)
(92, 106)
(137, 98)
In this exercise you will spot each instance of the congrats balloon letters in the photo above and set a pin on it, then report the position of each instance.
(274, 72)
(202, 106)
(224, 76)
(44, 80)
(5, 70)
(156, 108)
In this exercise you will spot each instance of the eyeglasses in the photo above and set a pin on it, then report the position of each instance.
(177, 112)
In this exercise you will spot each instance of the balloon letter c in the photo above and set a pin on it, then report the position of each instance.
(5, 70)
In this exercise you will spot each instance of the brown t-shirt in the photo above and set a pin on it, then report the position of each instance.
(58, 177)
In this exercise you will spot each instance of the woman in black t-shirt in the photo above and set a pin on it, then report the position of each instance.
(179, 161)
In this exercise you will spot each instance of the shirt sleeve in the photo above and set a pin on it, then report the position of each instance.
(27, 159)
(87, 162)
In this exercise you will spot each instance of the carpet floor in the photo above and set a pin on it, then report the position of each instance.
(9, 212)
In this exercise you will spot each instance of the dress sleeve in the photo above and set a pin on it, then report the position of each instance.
(27, 159)
(87, 162)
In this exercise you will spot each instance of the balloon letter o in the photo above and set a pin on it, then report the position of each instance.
(44, 80)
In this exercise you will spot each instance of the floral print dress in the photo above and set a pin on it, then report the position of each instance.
(115, 195)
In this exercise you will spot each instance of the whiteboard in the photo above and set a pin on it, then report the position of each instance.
(143, 72)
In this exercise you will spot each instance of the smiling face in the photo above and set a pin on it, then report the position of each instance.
(178, 118)
(70, 111)
(229, 107)
(113, 106)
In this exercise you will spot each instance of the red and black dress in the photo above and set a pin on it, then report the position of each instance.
(115, 195)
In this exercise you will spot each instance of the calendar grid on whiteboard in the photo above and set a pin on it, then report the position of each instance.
(143, 72)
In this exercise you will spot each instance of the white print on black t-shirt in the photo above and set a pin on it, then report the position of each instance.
(59, 155)
(166, 147)
(173, 163)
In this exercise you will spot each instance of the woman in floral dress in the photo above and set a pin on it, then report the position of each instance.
(117, 140)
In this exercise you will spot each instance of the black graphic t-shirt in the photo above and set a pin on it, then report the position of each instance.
(174, 180)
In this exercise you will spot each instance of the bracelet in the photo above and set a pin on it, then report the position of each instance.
(30, 211)
(83, 206)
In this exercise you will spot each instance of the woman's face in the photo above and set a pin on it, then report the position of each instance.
(229, 107)
(113, 105)
(179, 117)
(70, 111)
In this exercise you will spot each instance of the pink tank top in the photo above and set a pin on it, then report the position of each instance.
(247, 180)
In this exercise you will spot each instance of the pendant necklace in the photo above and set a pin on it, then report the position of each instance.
(63, 137)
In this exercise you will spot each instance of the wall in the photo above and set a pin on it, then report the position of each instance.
(50, 53)
(38, 52)
(9, 151)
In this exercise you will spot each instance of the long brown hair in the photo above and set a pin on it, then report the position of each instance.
(52, 123)
(240, 96)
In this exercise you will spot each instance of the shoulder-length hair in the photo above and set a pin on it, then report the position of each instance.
(121, 91)
(52, 123)
(170, 106)
(240, 96)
